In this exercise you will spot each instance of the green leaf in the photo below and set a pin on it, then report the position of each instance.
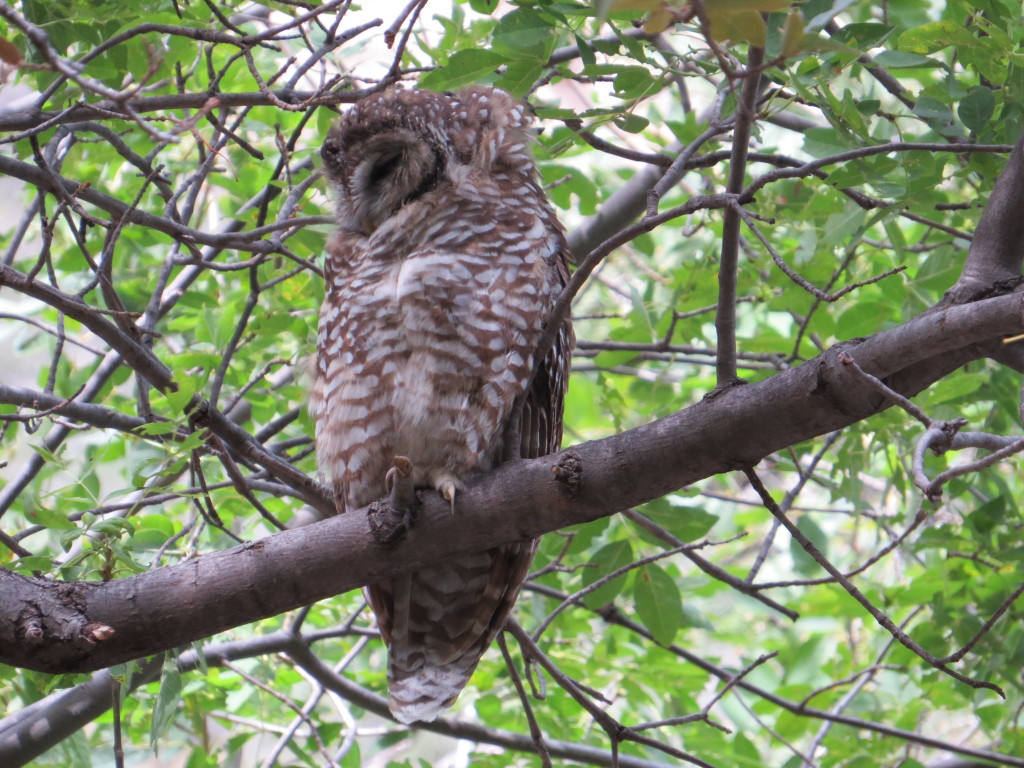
(977, 108)
(125, 559)
(192, 441)
(905, 60)
(167, 700)
(631, 123)
(686, 523)
(47, 454)
(988, 515)
(840, 226)
(223, 323)
(606, 560)
(938, 115)
(463, 68)
(33, 563)
(196, 359)
(868, 106)
(634, 83)
(147, 538)
(658, 603)
(524, 34)
(741, 20)
(157, 428)
(179, 398)
(793, 33)
(586, 52)
(805, 564)
(50, 518)
(519, 77)
(820, 19)
(822, 142)
(929, 38)
(484, 7)
(955, 388)
(113, 526)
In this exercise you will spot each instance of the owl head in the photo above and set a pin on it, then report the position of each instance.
(396, 147)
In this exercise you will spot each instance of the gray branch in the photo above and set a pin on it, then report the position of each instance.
(997, 250)
(174, 605)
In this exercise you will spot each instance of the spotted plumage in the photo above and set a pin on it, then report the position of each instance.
(440, 278)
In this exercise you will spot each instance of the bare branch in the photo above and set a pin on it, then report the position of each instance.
(939, 663)
(725, 316)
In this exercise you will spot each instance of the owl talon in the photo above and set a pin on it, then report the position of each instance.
(448, 489)
(391, 517)
(399, 483)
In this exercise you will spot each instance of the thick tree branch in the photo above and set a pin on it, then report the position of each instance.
(170, 606)
(997, 250)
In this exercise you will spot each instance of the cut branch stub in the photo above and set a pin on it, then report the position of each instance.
(52, 624)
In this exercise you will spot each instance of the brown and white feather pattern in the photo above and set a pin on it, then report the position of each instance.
(440, 278)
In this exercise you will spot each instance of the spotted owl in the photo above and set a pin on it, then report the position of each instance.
(440, 279)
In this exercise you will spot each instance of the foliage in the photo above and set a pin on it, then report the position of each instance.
(221, 282)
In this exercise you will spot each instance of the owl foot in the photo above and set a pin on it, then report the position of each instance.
(390, 518)
(440, 479)
(447, 483)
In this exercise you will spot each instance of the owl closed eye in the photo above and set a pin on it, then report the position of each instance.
(377, 172)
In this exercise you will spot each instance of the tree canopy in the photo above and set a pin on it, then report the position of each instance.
(784, 527)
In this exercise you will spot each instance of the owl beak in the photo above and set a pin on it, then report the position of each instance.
(367, 226)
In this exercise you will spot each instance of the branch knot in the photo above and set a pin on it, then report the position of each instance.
(568, 473)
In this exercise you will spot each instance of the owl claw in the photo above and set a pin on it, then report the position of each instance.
(390, 518)
(448, 489)
(441, 479)
(398, 483)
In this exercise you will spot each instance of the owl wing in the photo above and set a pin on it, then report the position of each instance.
(540, 425)
(540, 433)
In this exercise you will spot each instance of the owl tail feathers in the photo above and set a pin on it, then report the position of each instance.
(421, 694)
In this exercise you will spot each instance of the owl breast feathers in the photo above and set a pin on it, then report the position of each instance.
(440, 278)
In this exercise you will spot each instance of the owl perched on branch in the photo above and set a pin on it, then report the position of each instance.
(440, 280)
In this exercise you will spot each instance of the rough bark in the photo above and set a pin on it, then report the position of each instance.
(997, 250)
(171, 606)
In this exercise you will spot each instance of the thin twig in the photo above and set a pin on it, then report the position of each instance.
(856, 594)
